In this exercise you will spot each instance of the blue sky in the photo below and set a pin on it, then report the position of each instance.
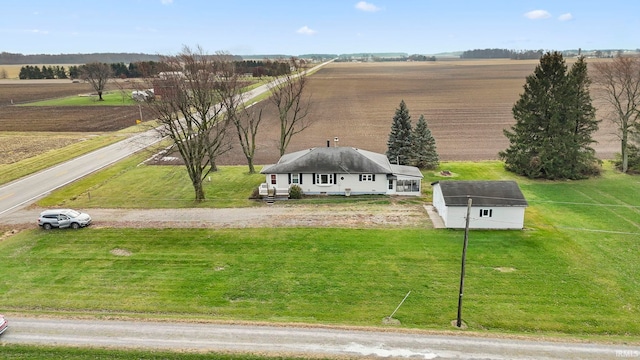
(321, 26)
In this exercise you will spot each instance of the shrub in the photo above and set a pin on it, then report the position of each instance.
(255, 194)
(295, 192)
(633, 162)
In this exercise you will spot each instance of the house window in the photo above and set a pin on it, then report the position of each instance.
(486, 212)
(408, 186)
(390, 184)
(273, 179)
(295, 178)
(367, 177)
(324, 179)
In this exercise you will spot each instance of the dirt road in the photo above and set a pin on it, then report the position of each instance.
(300, 341)
(341, 215)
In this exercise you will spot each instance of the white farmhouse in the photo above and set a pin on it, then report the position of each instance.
(495, 204)
(340, 171)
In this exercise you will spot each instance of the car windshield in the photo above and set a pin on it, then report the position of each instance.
(73, 213)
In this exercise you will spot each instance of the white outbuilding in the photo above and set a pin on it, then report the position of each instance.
(495, 204)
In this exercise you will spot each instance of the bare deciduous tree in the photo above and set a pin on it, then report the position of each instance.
(620, 79)
(98, 75)
(246, 122)
(186, 105)
(289, 96)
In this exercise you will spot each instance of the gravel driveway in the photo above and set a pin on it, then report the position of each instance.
(278, 215)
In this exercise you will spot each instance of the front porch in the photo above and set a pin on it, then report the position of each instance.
(271, 191)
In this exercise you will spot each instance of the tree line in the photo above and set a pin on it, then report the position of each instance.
(17, 59)
(141, 69)
(501, 54)
(378, 58)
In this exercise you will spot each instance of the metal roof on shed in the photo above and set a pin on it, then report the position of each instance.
(482, 193)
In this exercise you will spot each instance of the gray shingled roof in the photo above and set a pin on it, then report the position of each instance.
(483, 193)
(331, 160)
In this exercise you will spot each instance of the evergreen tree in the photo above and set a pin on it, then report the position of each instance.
(400, 144)
(554, 123)
(74, 72)
(60, 72)
(24, 73)
(582, 115)
(47, 72)
(425, 155)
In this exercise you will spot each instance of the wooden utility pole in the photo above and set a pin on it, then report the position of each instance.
(464, 256)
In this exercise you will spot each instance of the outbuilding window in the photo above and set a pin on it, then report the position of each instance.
(486, 212)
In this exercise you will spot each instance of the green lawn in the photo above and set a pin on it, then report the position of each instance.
(111, 98)
(24, 352)
(132, 184)
(572, 271)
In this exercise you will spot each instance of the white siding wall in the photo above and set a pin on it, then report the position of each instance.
(343, 181)
(438, 202)
(501, 218)
(454, 217)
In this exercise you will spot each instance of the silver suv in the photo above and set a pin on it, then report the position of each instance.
(63, 218)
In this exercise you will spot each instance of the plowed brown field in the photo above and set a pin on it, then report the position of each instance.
(58, 118)
(467, 104)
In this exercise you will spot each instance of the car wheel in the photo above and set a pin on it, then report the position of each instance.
(47, 226)
(75, 225)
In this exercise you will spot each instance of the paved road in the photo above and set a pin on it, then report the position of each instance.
(25, 191)
(302, 341)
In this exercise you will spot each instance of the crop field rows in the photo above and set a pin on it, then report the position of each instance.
(467, 105)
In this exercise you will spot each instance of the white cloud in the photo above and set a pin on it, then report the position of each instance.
(365, 6)
(537, 14)
(305, 30)
(565, 17)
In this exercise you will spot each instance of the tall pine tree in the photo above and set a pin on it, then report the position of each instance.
(582, 115)
(425, 155)
(554, 123)
(400, 144)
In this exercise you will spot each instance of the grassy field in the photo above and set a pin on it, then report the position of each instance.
(131, 184)
(12, 71)
(22, 352)
(110, 98)
(572, 271)
(56, 152)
